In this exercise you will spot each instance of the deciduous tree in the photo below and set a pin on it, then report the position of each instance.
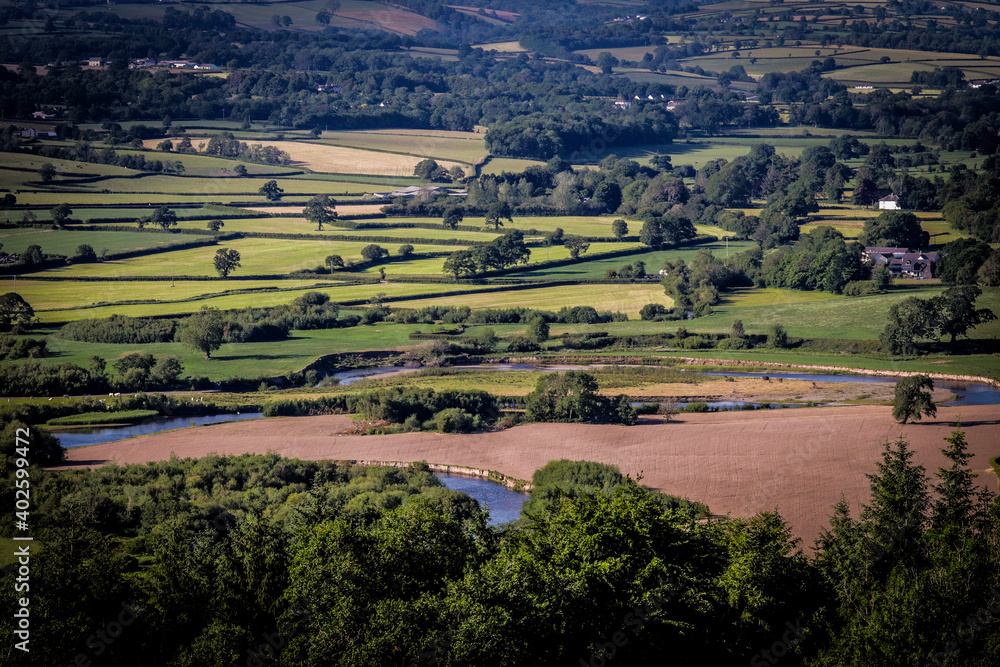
(203, 330)
(226, 261)
(911, 400)
(271, 191)
(320, 209)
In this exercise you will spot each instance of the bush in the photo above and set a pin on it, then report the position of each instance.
(35, 379)
(120, 329)
(12, 347)
(452, 420)
(522, 344)
(860, 288)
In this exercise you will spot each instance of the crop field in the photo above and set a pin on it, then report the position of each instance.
(654, 260)
(622, 298)
(466, 147)
(341, 160)
(62, 242)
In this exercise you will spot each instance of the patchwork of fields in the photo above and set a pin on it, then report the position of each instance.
(283, 256)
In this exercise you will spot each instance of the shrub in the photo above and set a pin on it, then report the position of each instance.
(22, 348)
(860, 288)
(522, 344)
(452, 420)
(120, 329)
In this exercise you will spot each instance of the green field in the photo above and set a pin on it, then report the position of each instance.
(234, 185)
(203, 165)
(654, 260)
(64, 242)
(302, 226)
(58, 294)
(249, 359)
(823, 315)
(160, 290)
(258, 256)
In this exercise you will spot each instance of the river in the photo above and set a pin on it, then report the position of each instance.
(968, 393)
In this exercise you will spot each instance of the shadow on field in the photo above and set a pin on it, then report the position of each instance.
(962, 423)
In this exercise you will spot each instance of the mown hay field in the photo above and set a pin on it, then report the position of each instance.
(341, 160)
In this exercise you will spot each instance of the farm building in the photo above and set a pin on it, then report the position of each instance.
(32, 133)
(901, 262)
(889, 203)
(423, 190)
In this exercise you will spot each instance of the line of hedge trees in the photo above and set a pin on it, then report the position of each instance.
(312, 310)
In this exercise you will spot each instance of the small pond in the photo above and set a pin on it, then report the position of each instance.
(504, 505)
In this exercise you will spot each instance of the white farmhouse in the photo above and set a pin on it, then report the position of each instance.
(889, 203)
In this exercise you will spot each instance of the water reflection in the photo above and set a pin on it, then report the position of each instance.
(80, 437)
(504, 505)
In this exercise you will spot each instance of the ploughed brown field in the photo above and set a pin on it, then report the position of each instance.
(800, 460)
